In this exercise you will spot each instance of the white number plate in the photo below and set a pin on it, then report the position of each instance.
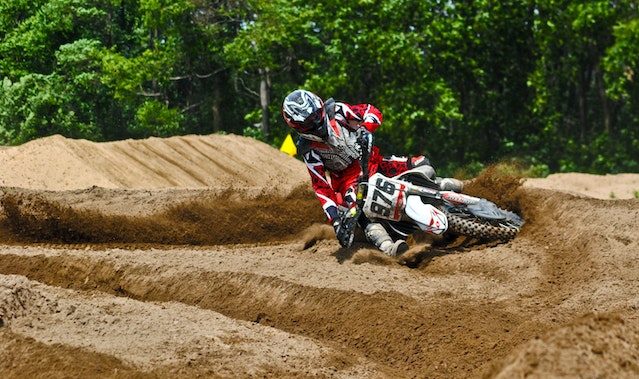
(386, 198)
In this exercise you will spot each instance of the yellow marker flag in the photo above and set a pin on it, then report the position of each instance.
(288, 146)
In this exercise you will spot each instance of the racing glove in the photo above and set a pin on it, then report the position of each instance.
(345, 227)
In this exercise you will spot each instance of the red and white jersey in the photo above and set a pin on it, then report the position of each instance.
(339, 154)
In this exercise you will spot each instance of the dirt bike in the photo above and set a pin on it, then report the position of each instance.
(413, 201)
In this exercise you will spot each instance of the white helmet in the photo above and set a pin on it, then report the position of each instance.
(304, 111)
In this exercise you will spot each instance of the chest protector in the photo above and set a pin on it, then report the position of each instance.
(340, 148)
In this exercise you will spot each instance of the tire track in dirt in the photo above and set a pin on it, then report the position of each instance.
(190, 169)
(588, 293)
(212, 157)
(316, 267)
(147, 166)
(587, 247)
(240, 164)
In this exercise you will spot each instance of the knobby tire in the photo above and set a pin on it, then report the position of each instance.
(476, 229)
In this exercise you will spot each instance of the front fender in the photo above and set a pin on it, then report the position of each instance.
(426, 216)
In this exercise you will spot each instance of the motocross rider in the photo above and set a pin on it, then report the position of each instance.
(328, 134)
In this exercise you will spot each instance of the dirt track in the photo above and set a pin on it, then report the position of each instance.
(177, 281)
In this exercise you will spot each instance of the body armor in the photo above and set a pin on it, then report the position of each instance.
(340, 148)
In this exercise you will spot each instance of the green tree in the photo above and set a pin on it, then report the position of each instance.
(549, 82)
(578, 119)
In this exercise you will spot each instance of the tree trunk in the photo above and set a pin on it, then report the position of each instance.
(582, 88)
(215, 107)
(604, 100)
(265, 100)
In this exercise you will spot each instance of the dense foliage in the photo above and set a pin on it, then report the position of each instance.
(551, 83)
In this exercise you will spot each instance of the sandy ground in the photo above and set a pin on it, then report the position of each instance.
(233, 274)
(620, 186)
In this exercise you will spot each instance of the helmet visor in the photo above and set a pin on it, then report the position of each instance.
(314, 123)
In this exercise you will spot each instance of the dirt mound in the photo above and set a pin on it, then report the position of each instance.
(216, 161)
(596, 346)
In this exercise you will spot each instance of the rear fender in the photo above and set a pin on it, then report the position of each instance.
(426, 216)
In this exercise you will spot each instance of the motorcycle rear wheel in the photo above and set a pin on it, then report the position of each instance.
(477, 229)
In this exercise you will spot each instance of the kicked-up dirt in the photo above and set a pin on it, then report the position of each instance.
(244, 280)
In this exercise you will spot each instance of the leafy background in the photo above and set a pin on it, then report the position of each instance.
(550, 84)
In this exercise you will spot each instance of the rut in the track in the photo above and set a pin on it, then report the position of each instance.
(168, 338)
(193, 220)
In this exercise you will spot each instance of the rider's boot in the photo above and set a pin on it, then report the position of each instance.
(450, 184)
(378, 236)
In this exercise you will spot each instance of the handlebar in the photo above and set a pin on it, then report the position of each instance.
(365, 141)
